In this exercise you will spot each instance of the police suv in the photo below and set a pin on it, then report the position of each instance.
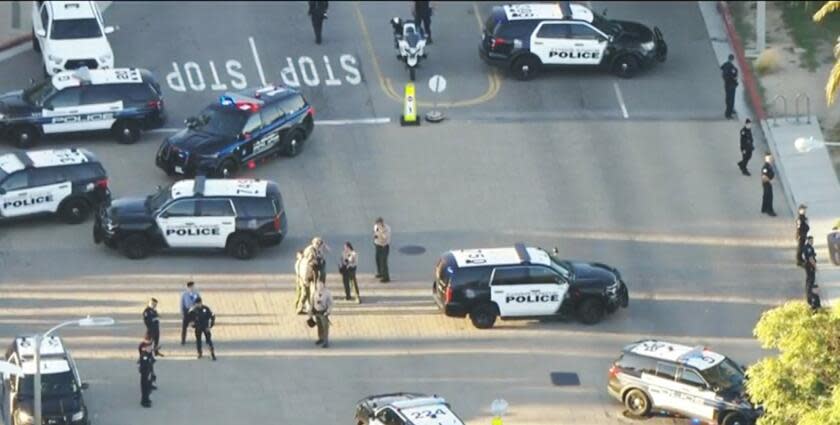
(524, 282)
(525, 38)
(123, 101)
(239, 216)
(61, 387)
(241, 128)
(70, 182)
(700, 384)
(405, 409)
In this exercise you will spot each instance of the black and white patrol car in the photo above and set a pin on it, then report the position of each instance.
(70, 182)
(123, 101)
(405, 409)
(62, 402)
(239, 216)
(695, 382)
(524, 282)
(525, 38)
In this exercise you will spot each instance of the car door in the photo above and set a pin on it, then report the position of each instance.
(100, 104)
(19, 198)
(552, 289)
(48, 187)
(516, 294)
(693, 394)
(661, 386)
(177, 224)
(589, 44)
(274, 129)
(252, 134)
(551, 43)
(61, 110)
(217, 219)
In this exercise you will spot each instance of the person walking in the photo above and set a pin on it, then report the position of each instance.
(152, 321)
(322, 303)
(423, 14)
(730, 82)
(802, 229)
(302, 273)
(746, 147)
(768, 173)
(188, 298)
(202, 319)
(146, 363)
(318, 12)
(347, 267)
(382, 243)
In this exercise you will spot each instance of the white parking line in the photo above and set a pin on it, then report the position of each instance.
(360, 121)
(620, 100)
(257, 60)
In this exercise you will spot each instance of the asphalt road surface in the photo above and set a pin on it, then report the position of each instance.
(551, 162)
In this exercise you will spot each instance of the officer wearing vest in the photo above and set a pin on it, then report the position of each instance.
(152, 321)
(146, 363)
(747, 147)
(810, 256)
(202, 319)
(768, 173)
(802, 229)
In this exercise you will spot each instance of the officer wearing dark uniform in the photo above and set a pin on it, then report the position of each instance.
(746, 147)
(318, 12)
(423, 14)
(767, 176)
(146, 362)
(730, 82)
(802, 229)
(202, 319)
(152, 322)
(810, 256)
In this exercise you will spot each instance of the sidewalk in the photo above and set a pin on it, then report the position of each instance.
(16, 22)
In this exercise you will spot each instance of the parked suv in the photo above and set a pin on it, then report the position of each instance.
(70, 35)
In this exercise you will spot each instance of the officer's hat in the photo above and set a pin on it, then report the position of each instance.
(153, 300)
(803, 207)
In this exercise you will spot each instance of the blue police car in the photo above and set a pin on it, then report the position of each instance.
(239, 129)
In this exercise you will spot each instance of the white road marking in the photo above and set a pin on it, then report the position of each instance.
(257, 60)
(620, 100)
(380, 120)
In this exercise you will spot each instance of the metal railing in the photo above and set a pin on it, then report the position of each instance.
(797, 101)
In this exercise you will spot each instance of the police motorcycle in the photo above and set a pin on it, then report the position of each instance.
(410, 43)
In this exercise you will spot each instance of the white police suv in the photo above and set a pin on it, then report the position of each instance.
(525, 38)
(522, 282)
(123, 101)
(62, 402)
(695, 382)
(70, 35)
(405, 409)
(239, 216)
(69, 182)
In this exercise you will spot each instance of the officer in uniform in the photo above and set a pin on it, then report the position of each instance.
(188, 298)
(318, 12)
(767, 175)
(382, 243)
(315, 255)
(347, 267)
(746, 147)
(202, 319)
(730, 82)
(802, 229)
(152, 321)
(146, 362)
(301, 283)
(810, 256)
(423, 14)
(322, 303)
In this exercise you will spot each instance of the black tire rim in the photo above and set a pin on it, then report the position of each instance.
(227, 169)
(243, 250)
(293, 146)
(136, 250)
(636, 403)
(592, 312)
(24, 137)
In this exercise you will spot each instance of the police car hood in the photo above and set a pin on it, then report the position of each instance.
(197, 141)
(633, 32)
(63, 405)
(593, 272)
(128, 207)
(12, 104)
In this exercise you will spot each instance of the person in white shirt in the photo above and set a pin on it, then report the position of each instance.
(382, 243)
(322, 303)
(347, 267)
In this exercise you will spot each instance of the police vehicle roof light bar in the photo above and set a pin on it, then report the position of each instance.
(198, 185)
(24, 159)
(522, 253)
(694, 352)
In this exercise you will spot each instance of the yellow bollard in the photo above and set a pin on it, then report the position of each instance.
(496, 421)
(409, 115)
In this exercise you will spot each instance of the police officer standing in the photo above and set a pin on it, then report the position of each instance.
(146, 368)
(810, 256)
(322, 303)
(382, 243)
(768, 173)
(318, 12)
(802, 229)
(302, 283)
(315, 255)
(746, 147)
(730, 82)
(347, 267)
(188, 298)
(152, 322)
(202, 319)
(423, 14)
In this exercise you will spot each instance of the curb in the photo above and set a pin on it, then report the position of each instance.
(14, 42)
(746, 72)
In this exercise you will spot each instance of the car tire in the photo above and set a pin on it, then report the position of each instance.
(126, 132)
(295, 143)
(734, 418)
(483, 316)
(242, 247)
(526, 67)
(591, 311)
(227, 168)
(637, 403)
(25, 137)
(74, 210)
(35, 45)
(135, 246)
(626, 66)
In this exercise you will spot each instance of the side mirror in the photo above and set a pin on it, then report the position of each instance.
(164, 215)
(109, 30)
(41, 33)
(85, 385)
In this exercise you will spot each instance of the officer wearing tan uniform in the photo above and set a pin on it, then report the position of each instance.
(322, 303)
(382, 243)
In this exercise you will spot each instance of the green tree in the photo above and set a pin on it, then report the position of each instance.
(800, 385)
(833, 82)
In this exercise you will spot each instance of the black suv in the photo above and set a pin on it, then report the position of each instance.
(237, 131)
(62, 402)
(123, 101)
(239, 216)
(524, 38)
(523, 282)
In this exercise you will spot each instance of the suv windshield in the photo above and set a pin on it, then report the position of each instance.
(36, 94)
(607, 26)
(724, 376)
(561, 266)
(154, 202)
(67, 29)
(52, 384)
(223, 121)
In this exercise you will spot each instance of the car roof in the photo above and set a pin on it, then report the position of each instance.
(17, 161)
(434, 412)
(253, 99)
(84, 76)
(72, 9)
(515, 12)
(515, 255)
(219, 187)
(697, 357)
(25, 346)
